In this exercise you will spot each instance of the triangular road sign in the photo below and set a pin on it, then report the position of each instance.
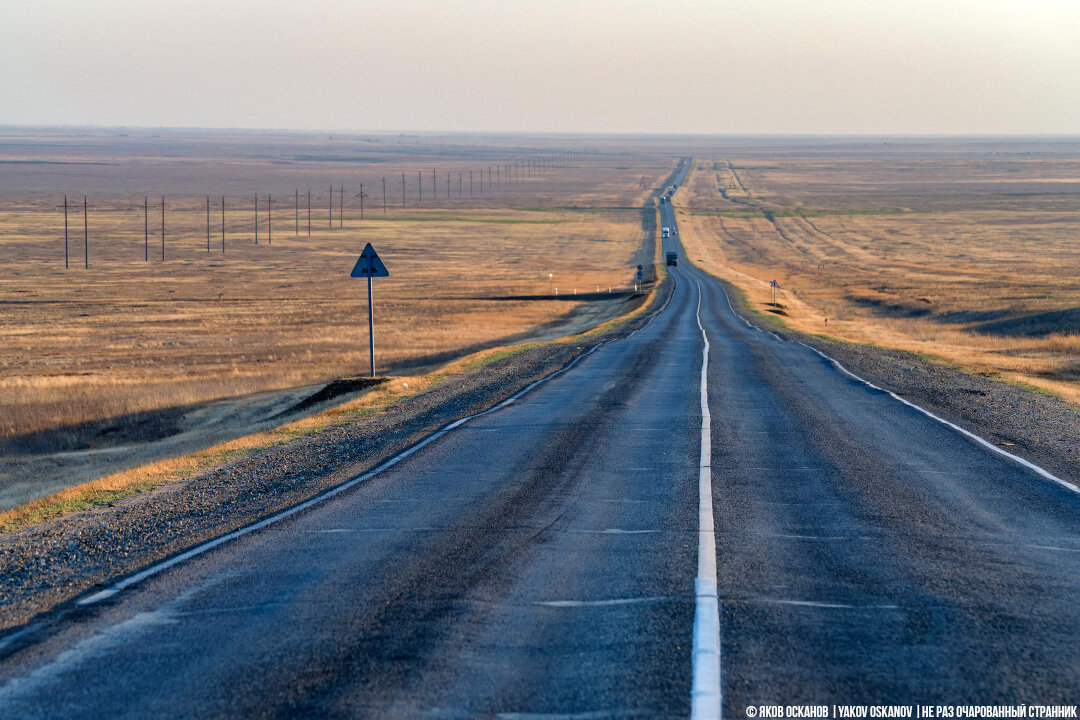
(369, 264)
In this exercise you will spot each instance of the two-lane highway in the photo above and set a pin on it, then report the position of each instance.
(550, 559)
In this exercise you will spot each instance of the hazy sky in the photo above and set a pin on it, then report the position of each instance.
(700, 66)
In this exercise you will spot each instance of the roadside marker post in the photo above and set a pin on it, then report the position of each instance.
(637, 284)
(773, 285)
(369, 265)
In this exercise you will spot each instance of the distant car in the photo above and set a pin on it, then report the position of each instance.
(665, 232)
(672, 258)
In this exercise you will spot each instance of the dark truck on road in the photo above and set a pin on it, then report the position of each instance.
(673, 258)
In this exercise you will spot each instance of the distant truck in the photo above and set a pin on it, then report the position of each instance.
(673, 258)
(665, 232)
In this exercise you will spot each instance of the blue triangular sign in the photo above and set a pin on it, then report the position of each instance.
(369, 264)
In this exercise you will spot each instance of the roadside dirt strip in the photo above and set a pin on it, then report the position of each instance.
(48, 564)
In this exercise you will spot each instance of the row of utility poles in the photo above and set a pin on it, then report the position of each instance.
(497, 177)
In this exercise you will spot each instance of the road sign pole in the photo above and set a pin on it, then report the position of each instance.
(370, 265)
(370, 317)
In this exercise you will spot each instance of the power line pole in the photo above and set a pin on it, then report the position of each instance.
(162, 228)
(146, 228)
(66, 254)
(269, 219)
(85, 236)
(222, 224)
(207, 223)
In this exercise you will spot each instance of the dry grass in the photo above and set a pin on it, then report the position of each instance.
(144, 478)
(128, 351)
(127, 336)
(968, 257)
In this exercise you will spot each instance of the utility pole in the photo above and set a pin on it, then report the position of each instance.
(162, 228)
(222, 224)
(66, 254)
(256, 218)
(269, 219)
(207, 223)
(85, 236)
(146, 228)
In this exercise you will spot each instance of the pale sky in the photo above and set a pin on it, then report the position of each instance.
(628, 66)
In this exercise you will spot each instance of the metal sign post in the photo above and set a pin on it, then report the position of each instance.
(369, 265)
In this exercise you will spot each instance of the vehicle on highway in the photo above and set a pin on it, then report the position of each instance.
(665, 232)
(673, 258)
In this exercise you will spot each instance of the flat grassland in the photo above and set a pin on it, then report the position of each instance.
(968, 251)
(99, 361)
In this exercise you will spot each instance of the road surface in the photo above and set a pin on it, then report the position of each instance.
(547, 559)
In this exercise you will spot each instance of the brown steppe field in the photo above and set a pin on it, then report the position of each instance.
(966, 251)
(98, 363)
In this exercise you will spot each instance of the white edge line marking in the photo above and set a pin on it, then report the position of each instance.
(967, 433)
(1045, 474)
(705, 692)
(157, 568)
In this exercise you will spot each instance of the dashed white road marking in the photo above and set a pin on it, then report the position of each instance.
(830, 605)
(600, 603)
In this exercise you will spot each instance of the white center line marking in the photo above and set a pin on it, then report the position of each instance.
(705, 692)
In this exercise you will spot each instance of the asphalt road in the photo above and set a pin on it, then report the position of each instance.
(542, 560)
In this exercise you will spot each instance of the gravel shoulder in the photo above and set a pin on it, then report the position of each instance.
(46, 565)
(1042, 429)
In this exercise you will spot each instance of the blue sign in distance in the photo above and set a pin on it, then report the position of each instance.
(369, 264)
